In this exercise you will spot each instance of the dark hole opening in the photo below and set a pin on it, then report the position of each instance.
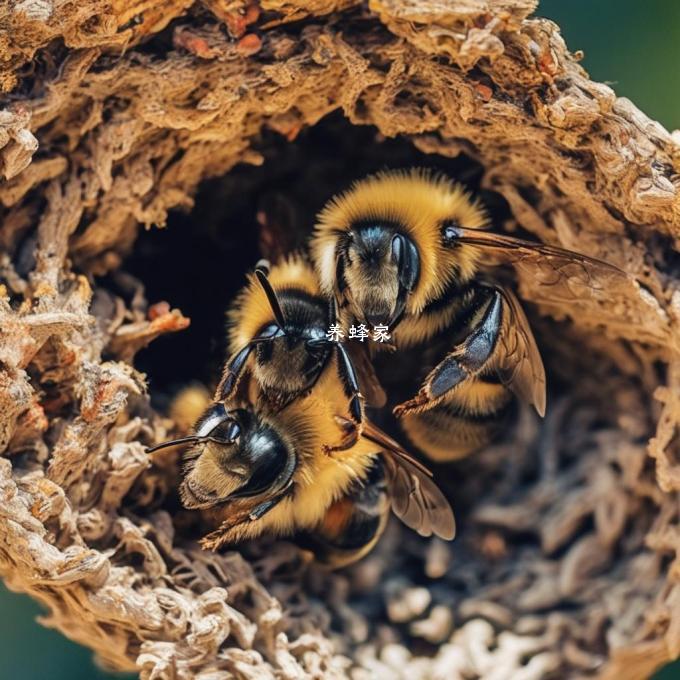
(198, 264)
(199, 261)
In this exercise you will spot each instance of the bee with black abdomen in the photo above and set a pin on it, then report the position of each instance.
(409, 250)
(260, 470)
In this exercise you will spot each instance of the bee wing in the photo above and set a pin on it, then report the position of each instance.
(368, 381)
(521, 367)
(416, 499)
(566, 282)
(570, 276)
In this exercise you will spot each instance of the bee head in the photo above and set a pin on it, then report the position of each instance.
(238, 455)
(380, 247)
(292, 352)
(378, 265)
(290, 364)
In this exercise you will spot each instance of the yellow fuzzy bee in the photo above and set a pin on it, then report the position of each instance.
(285, 449)
(409, 250)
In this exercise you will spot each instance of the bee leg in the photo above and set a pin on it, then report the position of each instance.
(347, 372)
(234, 368)
(350, 426)
(350, 383)
(232, 372)
(234, 529)
(465, 360)
(263, 508)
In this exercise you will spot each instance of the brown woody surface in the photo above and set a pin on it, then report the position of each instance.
(112, 114)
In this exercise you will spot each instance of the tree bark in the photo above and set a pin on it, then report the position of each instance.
(113, 113)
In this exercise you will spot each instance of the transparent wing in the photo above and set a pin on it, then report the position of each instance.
(589, 290)
(416, 499)
(520, 364)
(569, 276)
(368, 380)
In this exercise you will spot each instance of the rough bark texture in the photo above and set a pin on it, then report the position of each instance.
(114, 112)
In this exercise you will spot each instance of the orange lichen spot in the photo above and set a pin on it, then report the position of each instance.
(547, 64)
(168, 322)
(236, 24)
(493, 545)
(249, 44)
(157, 310)
(185, 39)
(236, 20)
(252, 13)
(484, 91)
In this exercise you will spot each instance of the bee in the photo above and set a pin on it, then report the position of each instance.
(260, 470)
(265, 458)
(409, 250)
(279, 335)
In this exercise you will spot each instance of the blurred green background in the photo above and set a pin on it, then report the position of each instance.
(631, 44)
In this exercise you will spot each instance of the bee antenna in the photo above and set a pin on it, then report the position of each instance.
(261, 275)
(173, 442)
(264, 265)
(333, 310)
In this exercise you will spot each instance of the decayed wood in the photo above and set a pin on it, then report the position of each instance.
(113, 113)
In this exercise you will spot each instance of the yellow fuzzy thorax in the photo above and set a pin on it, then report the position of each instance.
(321, 478)
(420, 202)
(251, 310)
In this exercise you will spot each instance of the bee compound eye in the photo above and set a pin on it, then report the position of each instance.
(269, 462)
(227, 432)
(211, 419)
(397, 248)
